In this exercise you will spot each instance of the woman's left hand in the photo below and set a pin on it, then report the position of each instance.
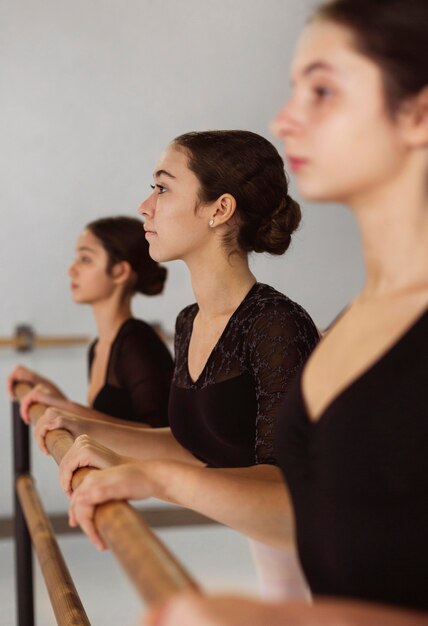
(40, 394)
(130, 481)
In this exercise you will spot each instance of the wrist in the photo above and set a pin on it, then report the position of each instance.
(161, 474)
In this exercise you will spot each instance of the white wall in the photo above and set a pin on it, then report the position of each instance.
(91, 91)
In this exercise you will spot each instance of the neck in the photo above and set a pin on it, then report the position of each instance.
(220, 282)
(394, 231)
(109, 317)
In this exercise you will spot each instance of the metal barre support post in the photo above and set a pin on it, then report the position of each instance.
(23, 550)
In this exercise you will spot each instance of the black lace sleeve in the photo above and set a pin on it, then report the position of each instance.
(279, 342)
(143, 366)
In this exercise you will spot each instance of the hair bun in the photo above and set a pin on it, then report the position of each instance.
(248, 167)
(150, 282)
(124, 239)
(274, 234)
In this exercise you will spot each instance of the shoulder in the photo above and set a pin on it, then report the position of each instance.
(138, 337)
(137, 345)
(186, 317)
(266, 305)
(135, 328)
(272, 321)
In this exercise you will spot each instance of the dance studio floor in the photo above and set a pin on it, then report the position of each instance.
(216, 556)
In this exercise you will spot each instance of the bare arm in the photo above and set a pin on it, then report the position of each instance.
(194, 610)
(252, 500)
(41, 395)
(129, 441)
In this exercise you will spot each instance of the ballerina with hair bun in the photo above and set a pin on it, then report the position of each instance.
(130, 367)
(217, 197)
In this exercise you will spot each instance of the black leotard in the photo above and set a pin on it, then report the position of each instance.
(138, 378)
(227, 417)
(358, 478)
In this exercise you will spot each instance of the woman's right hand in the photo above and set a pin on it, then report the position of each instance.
(86, 452)
(22, 374)
(53, 419)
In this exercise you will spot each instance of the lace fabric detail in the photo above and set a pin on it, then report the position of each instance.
(268, 337)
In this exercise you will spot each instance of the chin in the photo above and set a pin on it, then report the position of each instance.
(316, 193)
(161, 257)
(79, 299)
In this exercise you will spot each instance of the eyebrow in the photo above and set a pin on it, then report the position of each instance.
(85, 248)
(317, 65)
(163, 173)
(313, 67)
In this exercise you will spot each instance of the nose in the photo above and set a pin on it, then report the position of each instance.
(72, 269)
(286, 121)
(148, 206)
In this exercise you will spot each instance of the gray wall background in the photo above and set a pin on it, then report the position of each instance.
(91, 92)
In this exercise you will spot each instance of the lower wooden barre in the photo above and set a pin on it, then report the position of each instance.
(151, 567)
(64, 598)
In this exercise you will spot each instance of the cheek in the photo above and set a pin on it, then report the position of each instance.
(96, 279)
(344, 168)
(177, 241)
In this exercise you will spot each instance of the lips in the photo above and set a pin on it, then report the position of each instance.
(296, 163)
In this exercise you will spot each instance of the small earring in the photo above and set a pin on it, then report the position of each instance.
(211, 222)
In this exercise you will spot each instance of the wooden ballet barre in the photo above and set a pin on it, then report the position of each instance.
(64, 598)
(149, 564)
(25, 340)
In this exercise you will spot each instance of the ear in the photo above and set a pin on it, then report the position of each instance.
(415, 120)
(121, 272)
(222, 210)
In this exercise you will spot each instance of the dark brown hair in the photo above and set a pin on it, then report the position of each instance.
(123, 238)
(248, 167)
(394, 35)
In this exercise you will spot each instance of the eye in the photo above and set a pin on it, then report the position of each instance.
(161, 189)
(322, 92)
(85, 259)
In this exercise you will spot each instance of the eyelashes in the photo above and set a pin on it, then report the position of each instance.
(161, 188)
(322, 92)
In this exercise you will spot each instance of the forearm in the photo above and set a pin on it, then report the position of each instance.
(251, 500)
(195, 610)
(139, 443)
(92, 414)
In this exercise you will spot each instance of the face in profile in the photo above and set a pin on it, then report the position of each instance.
(175, 221)
(339, 138)
(90, 282)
